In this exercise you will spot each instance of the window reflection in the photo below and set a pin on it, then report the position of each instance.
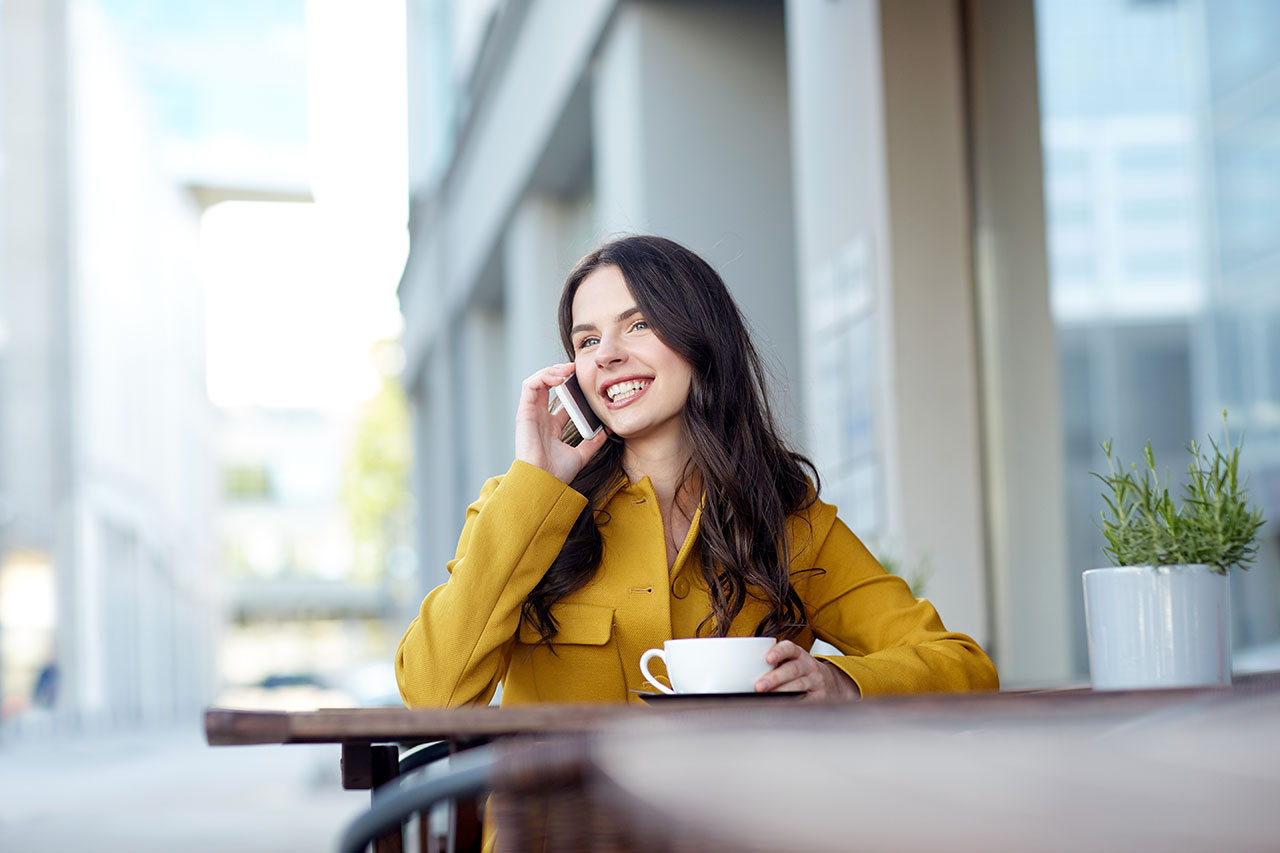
(1161, 135)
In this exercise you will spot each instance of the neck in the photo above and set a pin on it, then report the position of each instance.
(664, 463)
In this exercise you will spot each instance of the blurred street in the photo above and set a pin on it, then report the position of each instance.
(168, 791)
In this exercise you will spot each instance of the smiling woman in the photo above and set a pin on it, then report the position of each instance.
(687, 516)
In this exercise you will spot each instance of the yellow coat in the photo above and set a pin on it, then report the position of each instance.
(468, 636)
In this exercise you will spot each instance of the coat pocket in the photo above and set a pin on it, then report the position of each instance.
(580, 665)
(579, 624)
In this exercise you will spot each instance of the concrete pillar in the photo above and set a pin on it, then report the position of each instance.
(883, 210)
(534, 269)
(1025, 476)
(933, 338)
(484, 409)
(436, 461)
(691, 141)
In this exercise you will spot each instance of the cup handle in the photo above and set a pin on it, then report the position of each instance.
(648, 676)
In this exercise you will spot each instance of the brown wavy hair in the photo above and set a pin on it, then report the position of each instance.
(751, 482)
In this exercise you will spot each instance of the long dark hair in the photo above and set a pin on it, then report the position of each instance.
(751, 482)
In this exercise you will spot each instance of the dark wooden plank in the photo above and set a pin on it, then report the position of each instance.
(357, 767)
(366, 767)
(385, 766)
(225, 726)
(402, 725)
(231, 727)
(465, 814)
(465, 831)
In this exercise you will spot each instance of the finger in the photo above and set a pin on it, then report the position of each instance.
(588, 448)
(548, 376)
(560, 371)
(781, 675)
(810, 683)
(797, 686)
(534, 388)
(783, 650)
(533, 392)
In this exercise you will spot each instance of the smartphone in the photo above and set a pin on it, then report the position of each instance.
(575, 402)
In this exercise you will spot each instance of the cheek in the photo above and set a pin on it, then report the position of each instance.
(686, 391)
(685, 374)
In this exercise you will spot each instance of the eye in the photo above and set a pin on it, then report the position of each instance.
(589, 340)
(640, 325)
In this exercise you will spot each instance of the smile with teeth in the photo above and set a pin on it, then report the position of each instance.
(623, 390)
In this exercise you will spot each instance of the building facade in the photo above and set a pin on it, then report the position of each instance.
(105, 426)
(871, 178)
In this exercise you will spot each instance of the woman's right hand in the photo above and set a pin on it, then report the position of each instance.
(538, 430)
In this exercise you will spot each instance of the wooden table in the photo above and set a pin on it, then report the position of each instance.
(1161, 770)
(233, 727)
(371, 738)
(1170, 769)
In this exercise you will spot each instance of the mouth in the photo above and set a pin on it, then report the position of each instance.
(622, 392)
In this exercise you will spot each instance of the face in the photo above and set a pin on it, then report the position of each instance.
(635, 383)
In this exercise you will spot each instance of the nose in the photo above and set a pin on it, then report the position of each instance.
(609, 352)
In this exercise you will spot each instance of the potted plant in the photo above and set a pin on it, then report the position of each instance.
(1161, 617)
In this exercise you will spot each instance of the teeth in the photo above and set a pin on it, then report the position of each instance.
(626, 389)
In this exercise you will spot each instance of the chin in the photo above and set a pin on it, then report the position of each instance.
(625, 433)
(624, 430)
(636, 431)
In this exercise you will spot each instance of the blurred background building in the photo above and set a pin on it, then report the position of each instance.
(107, 595)
(198, 253)
(975, 239)
(203, 449)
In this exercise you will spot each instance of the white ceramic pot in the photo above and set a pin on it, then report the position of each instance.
(1158, 626)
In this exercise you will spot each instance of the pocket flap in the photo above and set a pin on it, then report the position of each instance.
(580, 624)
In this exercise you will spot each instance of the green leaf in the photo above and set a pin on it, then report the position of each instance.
(1144, 524)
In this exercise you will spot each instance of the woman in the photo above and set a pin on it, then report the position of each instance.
(686, 516)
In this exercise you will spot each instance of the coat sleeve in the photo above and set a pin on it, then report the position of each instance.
(891, 641)
(456, 651)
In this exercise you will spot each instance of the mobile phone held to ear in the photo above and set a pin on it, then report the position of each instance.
(575, 403)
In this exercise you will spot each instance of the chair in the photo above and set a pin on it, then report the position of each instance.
(537, 789)
(423, 754)
(393, 804)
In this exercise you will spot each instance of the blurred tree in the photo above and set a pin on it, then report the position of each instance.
(247, 483)
(916, 576)
(375, 481)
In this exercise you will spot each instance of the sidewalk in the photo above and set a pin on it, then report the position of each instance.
(168, 791)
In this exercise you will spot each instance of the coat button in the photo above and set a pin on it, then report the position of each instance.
(680, 588)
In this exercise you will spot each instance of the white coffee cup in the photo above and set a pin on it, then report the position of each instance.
(711, 664)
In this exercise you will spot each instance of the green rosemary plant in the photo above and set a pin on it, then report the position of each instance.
(1213, 524)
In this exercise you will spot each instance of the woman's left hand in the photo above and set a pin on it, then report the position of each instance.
(796, 670)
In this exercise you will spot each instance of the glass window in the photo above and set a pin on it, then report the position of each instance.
(1159, 119)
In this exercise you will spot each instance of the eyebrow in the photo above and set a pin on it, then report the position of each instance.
(587, 327)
